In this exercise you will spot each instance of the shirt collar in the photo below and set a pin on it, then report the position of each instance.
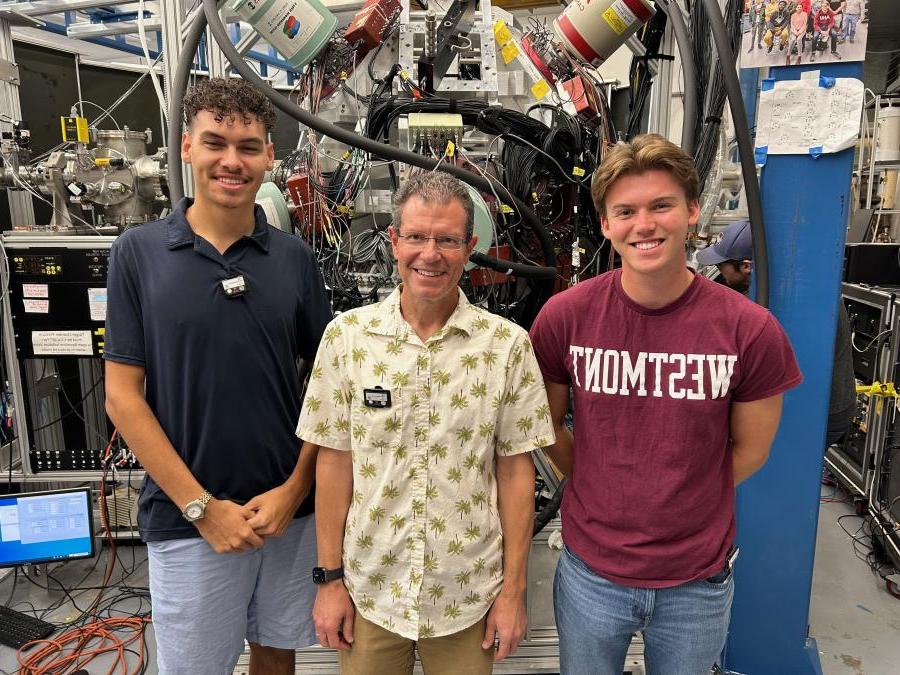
(394, 323)
(179, 232)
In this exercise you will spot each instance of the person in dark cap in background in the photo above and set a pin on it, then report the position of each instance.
(733, 255)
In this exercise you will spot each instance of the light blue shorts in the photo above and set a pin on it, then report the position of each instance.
(205, 604)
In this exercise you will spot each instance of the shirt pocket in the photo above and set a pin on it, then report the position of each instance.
(377, 430)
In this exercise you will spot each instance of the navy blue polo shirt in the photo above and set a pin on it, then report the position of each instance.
(221, 372)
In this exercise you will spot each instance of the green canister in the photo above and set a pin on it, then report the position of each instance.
(297, 29)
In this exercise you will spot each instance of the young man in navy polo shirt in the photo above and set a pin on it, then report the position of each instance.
(677, 384)
(210, 310)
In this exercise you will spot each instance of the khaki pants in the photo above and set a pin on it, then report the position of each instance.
(377, 651)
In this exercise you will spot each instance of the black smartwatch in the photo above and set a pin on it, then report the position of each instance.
(322, 575)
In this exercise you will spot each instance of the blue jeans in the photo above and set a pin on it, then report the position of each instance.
(684, 627)
(850, 21)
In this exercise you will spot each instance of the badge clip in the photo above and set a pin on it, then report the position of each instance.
(234, 286)
(377, 398)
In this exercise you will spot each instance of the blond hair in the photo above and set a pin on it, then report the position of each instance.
(647, 152)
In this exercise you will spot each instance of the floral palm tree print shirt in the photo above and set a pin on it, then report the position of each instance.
(423, 550)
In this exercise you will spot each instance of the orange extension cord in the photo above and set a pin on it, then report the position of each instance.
(77, 647)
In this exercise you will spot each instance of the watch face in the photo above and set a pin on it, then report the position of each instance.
(318, 575)
(193, 511)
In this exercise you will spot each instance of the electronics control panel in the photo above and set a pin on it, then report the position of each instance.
(58, 297)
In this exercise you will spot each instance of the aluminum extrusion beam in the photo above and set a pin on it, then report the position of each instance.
(21, 208)
(44, 7)
(85, 29)
(661, 89)
(173, 19)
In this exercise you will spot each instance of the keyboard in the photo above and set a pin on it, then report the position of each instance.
(17, 628)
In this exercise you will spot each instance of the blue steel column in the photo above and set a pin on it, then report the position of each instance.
(806, 203)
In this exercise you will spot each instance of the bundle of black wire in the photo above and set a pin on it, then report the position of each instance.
(559, 144)
(639, 73)
(710, 80)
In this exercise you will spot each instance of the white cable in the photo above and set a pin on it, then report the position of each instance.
(106, 113)
(153, 76)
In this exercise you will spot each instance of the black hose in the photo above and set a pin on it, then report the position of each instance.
(507, 267)
(689, 68)
(211, 18)
(745, 150)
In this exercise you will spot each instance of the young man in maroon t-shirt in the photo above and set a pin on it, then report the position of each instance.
(677, 384)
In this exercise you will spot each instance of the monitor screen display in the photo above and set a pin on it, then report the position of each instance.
(39, 527)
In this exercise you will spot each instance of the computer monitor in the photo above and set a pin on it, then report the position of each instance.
(38, 527)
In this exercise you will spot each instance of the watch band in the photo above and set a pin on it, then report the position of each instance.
(192, 505)
(321, 575)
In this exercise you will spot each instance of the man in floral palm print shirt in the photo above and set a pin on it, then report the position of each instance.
(439, 404)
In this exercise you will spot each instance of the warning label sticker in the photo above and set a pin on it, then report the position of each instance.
(36, 306)
(62, 343)
(35, 291)
(619, 17)
(624, 11)
(614, 21)
(97, 303)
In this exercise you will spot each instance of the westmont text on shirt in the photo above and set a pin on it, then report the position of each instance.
(620, 373)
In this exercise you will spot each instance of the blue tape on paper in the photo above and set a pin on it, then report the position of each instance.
(826, 82)
(768, 83)
(816, 152)
(760, 155)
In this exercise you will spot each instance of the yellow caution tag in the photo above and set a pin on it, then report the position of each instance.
(577, 171)
(451, 149)
(615, 21)
(540, 89)
(510, 51)
(502, 34)
(343, 75)
(404, 75)
(101, 161)
(506, 209)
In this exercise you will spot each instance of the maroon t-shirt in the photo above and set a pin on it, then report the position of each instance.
(650, 499)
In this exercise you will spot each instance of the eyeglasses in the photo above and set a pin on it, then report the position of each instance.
(443, 242)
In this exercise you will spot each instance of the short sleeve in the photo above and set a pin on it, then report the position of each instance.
(124, 333)
(315, 312)
(548, 346)
(768, 365)
(325, 417)
(523, 416)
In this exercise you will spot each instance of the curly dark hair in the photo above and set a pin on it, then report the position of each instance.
(228, 97)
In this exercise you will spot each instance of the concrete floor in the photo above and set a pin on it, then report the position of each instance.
(855, 621)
